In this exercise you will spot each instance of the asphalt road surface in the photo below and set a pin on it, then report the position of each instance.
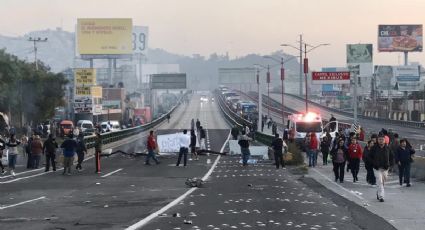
(261, 197)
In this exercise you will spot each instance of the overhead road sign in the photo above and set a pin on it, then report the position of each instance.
(168, 81)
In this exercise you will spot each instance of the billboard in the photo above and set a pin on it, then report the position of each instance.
(168, 81)
(96, 91)
(101, 36)
(384, 76)
(85, 76)
(237, 76)
(330, 77)
(359, 53)
(408, 77)
(140, 40)
(400, 38)
(83, 105)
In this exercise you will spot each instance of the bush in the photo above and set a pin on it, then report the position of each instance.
(297, 156)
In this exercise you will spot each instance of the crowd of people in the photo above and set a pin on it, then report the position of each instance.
(382, 152)
(33, 148)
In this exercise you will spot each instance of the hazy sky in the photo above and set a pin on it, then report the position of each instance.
(238, 26)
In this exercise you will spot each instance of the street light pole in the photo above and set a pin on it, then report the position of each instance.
(301, 65)
(282, 77)
(268, 91)
(305, 75)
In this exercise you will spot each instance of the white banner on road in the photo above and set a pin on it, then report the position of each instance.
(235, 149)
(169, 143)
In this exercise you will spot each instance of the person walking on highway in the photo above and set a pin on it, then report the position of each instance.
(192, 124)
(324, 149)
(355, 153)
(168, 118)
(332, 123)
(235, 132)
(184, 147)
(49, 148)
(2, 147)
(97, 151)
(81, 151)
(278, 146)
(28, 151)
(380, 156)
(311, 149)
(370, 175)
(151, 146)
(36, 151)
(244, 144)
(262, 125)
(193, 145)
(69, 147)
(12, 146)
(339, 157)
(403, 158)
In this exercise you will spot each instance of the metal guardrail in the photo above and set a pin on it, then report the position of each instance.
(120, 135)
(412, 124)
(234, 119)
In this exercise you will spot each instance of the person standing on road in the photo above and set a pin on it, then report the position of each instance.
(312, 145)
(198, 124)
(339, 157)
(193, 145)
(332, 122)
(203, 137)
(278, 145)
(380, 156)
(97, 151)
(49, 148)
(403, 158)
(28, 151)
(81, 151)
(192, 124)
(12, 146)
(355, 153)
(184, 148)
(244, 144)
(36, 151)
(2, 147)
(235, 132)
(324, 149)
(151, 146)
(168, 118)
(370, 175)
(69, 147)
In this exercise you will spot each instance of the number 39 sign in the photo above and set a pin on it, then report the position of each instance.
(140, 39)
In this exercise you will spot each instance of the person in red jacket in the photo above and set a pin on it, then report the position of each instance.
(355, 153)
(151, 145)
(312, 148)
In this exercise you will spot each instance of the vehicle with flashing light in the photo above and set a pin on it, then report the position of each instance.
(300, 124)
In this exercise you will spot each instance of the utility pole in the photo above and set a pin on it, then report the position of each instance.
(282, 77)
(268, 91)
(35, 40)
(301, 65)
(305, 73)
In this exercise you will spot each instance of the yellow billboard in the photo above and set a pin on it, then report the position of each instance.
(85, 76)
(82, 91)
(96, 91)
(102, 36)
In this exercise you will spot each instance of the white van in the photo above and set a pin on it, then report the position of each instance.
(110, 126)
(86, 127)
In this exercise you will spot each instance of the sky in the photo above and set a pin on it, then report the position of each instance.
(239, 27)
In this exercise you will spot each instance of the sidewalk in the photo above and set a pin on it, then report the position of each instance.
(403, 206)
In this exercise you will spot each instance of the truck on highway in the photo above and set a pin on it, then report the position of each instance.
(302, 123)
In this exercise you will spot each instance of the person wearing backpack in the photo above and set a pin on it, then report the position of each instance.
(49, 148)
(81, 151)
(244, 144)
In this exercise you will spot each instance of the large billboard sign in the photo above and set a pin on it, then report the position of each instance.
(101, 36)
(140, 40)
(400, 38)
(168, 81)
(330, 77)
(408, 77)
(384, 77)
(359, 53)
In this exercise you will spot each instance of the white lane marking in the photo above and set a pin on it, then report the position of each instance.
(21, 203)
(146, 220)
(111, 173)
(24, 172)
(340, 186)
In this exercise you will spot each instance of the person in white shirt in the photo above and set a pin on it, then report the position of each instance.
(184, 147)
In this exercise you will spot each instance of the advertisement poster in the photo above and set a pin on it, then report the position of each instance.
(359, 53)
(400, 38)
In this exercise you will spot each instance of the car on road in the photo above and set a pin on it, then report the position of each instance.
(110, 126)
(86, 127)
(204, 98)
(66, 127)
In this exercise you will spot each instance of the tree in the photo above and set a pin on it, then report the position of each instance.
(27, 94)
